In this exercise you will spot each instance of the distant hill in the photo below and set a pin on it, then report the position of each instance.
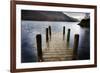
(46, 16)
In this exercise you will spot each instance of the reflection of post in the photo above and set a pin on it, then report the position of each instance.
(68, 35)
(63, 32)
(50, 32)
(47, 38)
(75, 47)
(39, 47)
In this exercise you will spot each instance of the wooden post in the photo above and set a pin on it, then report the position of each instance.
(63, 32)
(50, 32)
(47, 38)
(68, 38)
(39, 47)
(68, 35)
(75, 47)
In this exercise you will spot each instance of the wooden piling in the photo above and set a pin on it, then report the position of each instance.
(39, 47)
(63, 32)
(68, 35)
(75, 47)
(50, 32)
(47, 38)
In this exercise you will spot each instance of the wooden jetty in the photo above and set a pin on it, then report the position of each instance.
(57, 46)
(56, 49)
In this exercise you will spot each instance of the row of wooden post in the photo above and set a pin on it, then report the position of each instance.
(48, 34)
(39, 43)
(76, 41)
(48, 30)
(68, 34)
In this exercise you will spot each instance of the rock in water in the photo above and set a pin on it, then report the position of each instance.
(85, 23)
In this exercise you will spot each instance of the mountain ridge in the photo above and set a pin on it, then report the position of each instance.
(46, 16)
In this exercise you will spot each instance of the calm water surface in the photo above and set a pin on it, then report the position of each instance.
(29, 29)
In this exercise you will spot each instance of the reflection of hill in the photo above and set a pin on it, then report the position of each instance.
(46, 16)
(85, 23)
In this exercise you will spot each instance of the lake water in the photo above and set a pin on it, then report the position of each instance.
(29, 30)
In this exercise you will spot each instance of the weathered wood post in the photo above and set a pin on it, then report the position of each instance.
(39, 47)
(68, 35)
(47, 38)
(68, 38)
(63, 32)
(50, 32)
(75, 47)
